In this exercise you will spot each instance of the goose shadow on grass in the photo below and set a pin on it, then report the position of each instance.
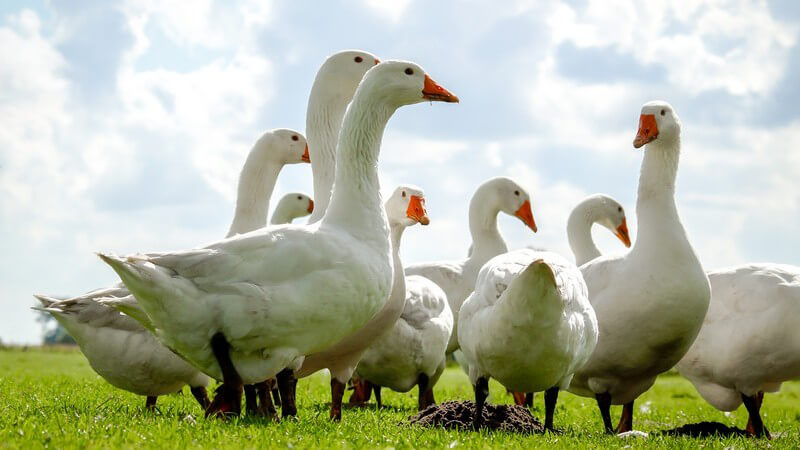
(704, 430)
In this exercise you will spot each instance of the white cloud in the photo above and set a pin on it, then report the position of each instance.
(714, 46)
(205, 107)
(391, 10)
(581, 114)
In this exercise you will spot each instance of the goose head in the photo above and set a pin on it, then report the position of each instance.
(288, 146)
(398, 83)
(611, 215)
(658, 120)
(341, 72)
(512, 199)
(296, 204)
(406, 206)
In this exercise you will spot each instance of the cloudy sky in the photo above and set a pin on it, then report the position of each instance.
(124, 127)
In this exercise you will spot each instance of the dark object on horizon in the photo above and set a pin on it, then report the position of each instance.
(52, 332)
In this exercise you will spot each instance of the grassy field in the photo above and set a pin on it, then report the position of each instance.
(51, 398)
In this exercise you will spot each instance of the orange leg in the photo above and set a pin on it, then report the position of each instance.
(337, 393)
(425, 392)
(287, 385)
(755, 426)
(626, 420)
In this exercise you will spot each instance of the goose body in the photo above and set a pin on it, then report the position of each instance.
(271, 284)
(123, 351)
(410, 343)
(528, 324)
(651, 302)
(412, 352)
(457, 277)
(415, 345)
(244, 308)
(404, 208)
(595, 209)
(333, 89)
(598, 209)
(749, 343)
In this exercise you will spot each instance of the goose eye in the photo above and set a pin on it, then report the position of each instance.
(516, 193)
(299, 197)
(663, 112)
(295, 138)
(409, 71)
(404, 193)
(619, 208)
(358, 59)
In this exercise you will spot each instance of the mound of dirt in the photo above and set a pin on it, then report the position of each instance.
(705, 429)
(458, 416)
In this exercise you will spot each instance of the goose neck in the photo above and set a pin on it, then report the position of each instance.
(323, 122)
(656, 212)
(256, 183)
(356, 204)
(281, 216)
(486, 238)
(659, 170)
(399, 281)
(579, 234)
(396, 233)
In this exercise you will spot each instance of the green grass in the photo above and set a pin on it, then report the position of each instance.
(51, 398)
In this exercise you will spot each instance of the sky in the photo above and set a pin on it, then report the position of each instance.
(124, 125)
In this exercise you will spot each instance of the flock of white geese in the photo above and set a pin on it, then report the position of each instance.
(273, 303)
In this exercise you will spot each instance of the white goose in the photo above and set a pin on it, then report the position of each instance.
(457, 278)
(595, 209)
(124, 352)
(121, 350)
(528, 324)
(412, 351)
(244, 308)
(333, 89)
(271, 152)
(650, 303)
(749, 343)
(292, 206)
(405, 207)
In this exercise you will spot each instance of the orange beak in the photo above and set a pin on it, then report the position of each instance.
(526, 215)
(435, 93)
(648, 130)
(622, 233)
(305, 156)
(416, 210)
(310, 206)
(377, 61)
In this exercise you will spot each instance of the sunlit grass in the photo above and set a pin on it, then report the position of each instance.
(52, 398)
